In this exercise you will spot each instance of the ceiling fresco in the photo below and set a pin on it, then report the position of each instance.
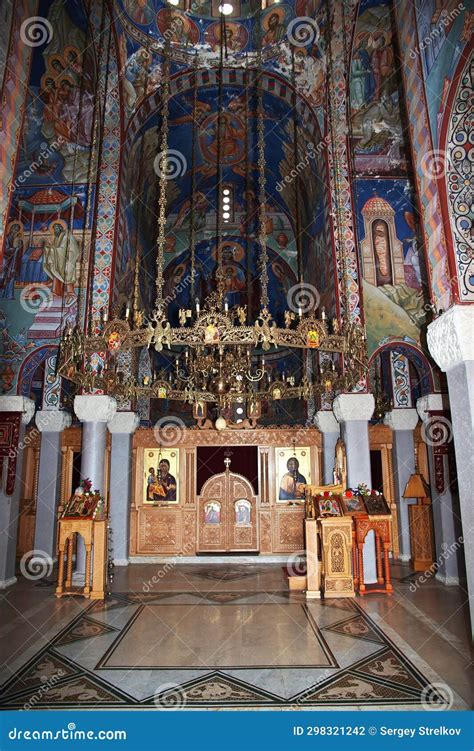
(291, 37)
(240, 176)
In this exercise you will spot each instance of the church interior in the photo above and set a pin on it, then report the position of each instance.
(236, 354)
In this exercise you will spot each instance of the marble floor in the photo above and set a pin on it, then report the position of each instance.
(229, 636)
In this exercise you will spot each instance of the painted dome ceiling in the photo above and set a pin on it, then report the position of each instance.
(188, 27)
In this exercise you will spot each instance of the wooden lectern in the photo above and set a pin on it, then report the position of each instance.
(94, 534)
(84, 515)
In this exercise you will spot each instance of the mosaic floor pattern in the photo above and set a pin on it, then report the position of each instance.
(218, 649)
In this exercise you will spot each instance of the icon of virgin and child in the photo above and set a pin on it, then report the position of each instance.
(161, 485)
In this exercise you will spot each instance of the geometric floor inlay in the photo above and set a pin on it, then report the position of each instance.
(217, 636)
(224, 649)
(225, 575)
(356, 627)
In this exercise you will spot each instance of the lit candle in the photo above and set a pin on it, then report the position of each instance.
(226, 307)
(300, 312)
(197, 307)
(128, 309)
(323, 314)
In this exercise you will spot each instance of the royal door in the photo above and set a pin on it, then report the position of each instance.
(227, 515)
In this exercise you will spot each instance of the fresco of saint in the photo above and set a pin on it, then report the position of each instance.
(61, 254)
(11, 261)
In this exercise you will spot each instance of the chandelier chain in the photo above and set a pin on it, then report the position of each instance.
(262, 214)
(162, 184)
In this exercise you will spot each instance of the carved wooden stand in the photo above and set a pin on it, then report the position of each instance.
(313, 576)
(336, 539)
(382, 526)
(421, 536)
(94, 534)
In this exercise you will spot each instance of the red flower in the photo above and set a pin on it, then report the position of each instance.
(348, 493)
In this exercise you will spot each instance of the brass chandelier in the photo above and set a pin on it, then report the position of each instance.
(218, 355)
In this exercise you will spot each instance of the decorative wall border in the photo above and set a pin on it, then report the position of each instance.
(423, 155)
(343, 19)
(13, 104)
(455, 187)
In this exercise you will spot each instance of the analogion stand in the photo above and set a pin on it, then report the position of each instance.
(381, 526)
(336, 541)
(94, 534)
(313, 575)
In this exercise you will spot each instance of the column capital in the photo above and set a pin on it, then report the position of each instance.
(401, 419)
(450, 337)
(124, 422)
(325, 421)
(94, 407)
(18, 404)
(431, 403)
(347, 407)
(52, 420)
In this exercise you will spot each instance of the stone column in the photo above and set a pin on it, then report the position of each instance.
(354, 411)
(94, 411)
(451, 343)
(330, 428)
(122, 426)
(50, 423)
(403, 423)
(10, 497)
(437, 435)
